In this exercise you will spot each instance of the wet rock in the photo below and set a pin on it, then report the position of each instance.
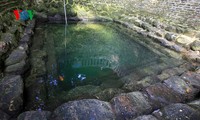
(86, 109)
(4, 116)
(195, 45)
(24, 46)
(192, 56)
(177, 111)
(109, 83)
(195, 104)
(15, 57)
(34, 115)
(18, 68)
(131, 105)
(11, 94)
(146, 117)
(140, 84)
(83, 92)
(161, 95)
(192, 78)
(108, 94)
(181, 87)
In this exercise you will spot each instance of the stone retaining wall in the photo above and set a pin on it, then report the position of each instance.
(185, 12)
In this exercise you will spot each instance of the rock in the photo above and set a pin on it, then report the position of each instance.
(9, 38)
(83, 92)
(34, 115)
(11, 94)
(86, 109)
(15, 57)
(56, 19)
(184, 40)
(140, 84)
(146, 117)
(171, 28)
(170, 36)
(4, 116)
(195, 45)
(195, 104)
(170, 72)
(108, 94)
(181, 87)
(31, 23)
(24, 46)
(18, 68)
(38, 67)
(177, 111)
(131, 105)
(25, 39)
(192, 56)
(192, 79)
(38, 54)
(28, 31)
(160, 95)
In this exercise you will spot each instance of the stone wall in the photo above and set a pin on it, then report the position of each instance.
(185, 12)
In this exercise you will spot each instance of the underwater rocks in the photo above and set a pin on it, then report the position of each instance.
(34, 115)
(11, 94)
(81, 92)
(131, 105)
(177, 111)
(9, 38)
(86, 109)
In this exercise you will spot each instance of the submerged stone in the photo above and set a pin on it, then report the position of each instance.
(82, 92)
(34, 115)
(11, 94)
(192, 78)
(131, 105)
(108, 94)
(87, 109)
(177, 111)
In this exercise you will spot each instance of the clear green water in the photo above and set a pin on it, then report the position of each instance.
(92, 53)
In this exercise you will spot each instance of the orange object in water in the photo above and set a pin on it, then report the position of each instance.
(61, 78)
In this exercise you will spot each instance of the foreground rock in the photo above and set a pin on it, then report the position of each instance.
(11, 94)
(177, 111)
(4, 116)
(87, 109)
(195, 104)
(181, 87)
(161, 95)
(34, 115)
(192, 79)
(131, 105)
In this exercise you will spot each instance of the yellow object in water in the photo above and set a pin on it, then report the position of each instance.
(61, 78)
